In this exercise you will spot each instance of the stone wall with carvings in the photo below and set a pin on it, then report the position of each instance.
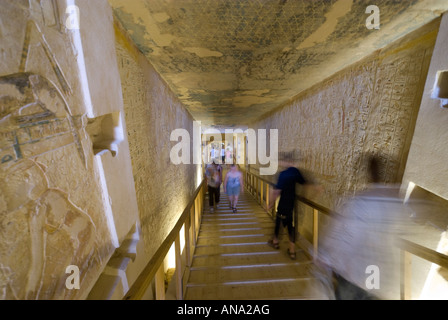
(152, 112)
(428, 166)
(58, 207)
(369, 107)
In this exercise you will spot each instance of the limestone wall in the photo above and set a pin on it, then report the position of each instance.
(370, 107)
(152, 112)
(427, 166)
(62, 154)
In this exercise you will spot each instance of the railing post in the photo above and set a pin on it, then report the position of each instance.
(261, 192)
(160, 283)
(256, 188)
(179, 284)
(276, 205)
(406, 263)
(267, 195)
(193, 225)
(199, 202)
(201, 198)
(255, 194)
(253, 185)
(315, 233)
(188, 240)
(196, 221)
(250, 183)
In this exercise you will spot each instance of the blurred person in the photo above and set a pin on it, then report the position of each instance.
(357, 247)
(233, 185)
(229, 155)
(286, 189)
(212, 153)
(223, 154)
(213, 174)
(220, 170)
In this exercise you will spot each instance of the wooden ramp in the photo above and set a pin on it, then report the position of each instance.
(232, 260)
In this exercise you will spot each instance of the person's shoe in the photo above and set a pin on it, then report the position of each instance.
(274, 245)
(292, 255)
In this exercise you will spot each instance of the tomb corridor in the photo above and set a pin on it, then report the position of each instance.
(111, 112)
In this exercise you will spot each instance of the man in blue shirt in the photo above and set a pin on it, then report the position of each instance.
(286, 189)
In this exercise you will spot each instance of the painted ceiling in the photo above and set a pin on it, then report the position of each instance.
(232, 61)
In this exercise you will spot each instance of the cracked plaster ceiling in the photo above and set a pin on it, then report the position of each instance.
(231, 61)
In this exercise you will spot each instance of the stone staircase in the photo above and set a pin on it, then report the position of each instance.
(232, 260)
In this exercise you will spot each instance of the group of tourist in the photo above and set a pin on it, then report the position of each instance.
(365, 228)
(233, 185)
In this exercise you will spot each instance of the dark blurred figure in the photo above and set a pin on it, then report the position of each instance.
(286, 189)
(213, 175)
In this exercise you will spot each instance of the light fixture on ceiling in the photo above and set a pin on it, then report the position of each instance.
(440, 90)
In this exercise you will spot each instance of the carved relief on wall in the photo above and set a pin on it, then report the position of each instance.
(368, 108)
(34, 118)
(41, 230)
(42, 233)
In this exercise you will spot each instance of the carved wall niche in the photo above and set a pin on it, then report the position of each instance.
(106, 133)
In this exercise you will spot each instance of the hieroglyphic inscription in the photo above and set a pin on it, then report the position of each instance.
(395, 100)
(370, 108)
(152, 112)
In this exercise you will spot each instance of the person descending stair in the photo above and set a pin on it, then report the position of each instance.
(213, 174)
(286, 189)
(233, 185)
(232, 262)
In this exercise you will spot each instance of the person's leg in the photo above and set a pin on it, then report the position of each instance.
(274, 241)
(231, 193)
(212, 198)
(218, 195)
(211, 195)
(292, 237)
(235, 201)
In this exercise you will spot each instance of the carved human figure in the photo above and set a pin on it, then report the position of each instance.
(41, 230)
